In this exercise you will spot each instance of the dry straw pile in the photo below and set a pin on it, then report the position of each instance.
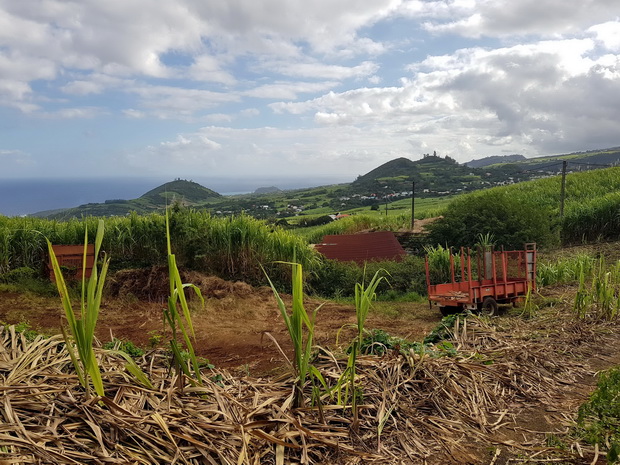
(414, 409)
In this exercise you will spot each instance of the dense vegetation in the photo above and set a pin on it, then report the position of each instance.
(233, 248)
(530, 212)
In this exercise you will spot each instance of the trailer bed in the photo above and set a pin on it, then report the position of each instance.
(495, 277)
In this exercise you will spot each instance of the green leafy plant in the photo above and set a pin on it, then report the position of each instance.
(125, 346)
(443, 330)
(379, 342)
(598, 421)
(155, 338)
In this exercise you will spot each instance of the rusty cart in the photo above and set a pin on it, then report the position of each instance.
(489, 278)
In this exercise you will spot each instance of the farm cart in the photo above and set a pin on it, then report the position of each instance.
(496, 277)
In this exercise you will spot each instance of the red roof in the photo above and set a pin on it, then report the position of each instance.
(360, 248)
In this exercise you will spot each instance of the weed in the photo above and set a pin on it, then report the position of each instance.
(598, 421)
(552, 440)
(125, 346)
(155, 338)
(379, 342)
(24, 328)
(444, 329)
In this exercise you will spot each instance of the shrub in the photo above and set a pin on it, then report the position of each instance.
(19, 275)
(511, 220)
(338, 279)
(597, 422)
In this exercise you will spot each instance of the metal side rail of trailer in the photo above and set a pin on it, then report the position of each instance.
(487, 278)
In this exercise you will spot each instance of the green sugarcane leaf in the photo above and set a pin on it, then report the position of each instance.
(133, 368)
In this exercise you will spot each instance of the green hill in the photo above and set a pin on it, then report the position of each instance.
(530, 212)
(187, 192)
(432, 174)
(495, 160)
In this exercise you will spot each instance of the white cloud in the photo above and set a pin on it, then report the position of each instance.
(132, 113)
(175, 102)
(543, 96)
(608, 34)
(295, 152)
(319, 70)
(15, 159)
(82, 112)
(288, 90)
(209, 68)
(504, 18)
(249, 112)
(218, 118)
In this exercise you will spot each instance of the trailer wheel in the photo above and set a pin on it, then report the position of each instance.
(489, 306)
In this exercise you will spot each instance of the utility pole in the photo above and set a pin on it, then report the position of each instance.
(412, 203)
(563, 190)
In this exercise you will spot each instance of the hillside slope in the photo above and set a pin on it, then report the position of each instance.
(188, 193)
(432, 173)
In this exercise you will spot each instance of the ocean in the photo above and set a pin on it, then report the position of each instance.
(26, 196)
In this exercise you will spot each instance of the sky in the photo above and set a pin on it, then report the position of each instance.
(299, 90)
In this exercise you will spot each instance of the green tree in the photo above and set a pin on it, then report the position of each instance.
(511, 220)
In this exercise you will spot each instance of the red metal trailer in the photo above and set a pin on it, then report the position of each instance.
(495, 277)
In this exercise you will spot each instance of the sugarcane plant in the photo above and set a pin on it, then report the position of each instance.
(300, 327)
(364, 296)
(82, 326)
(178, 316)
(601, 298)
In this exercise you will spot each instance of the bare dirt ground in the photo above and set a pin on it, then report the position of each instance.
(230, 328)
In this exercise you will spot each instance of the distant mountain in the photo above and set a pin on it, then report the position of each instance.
(431, 173)
(267, 190)
(188, 193)
(486, 161)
